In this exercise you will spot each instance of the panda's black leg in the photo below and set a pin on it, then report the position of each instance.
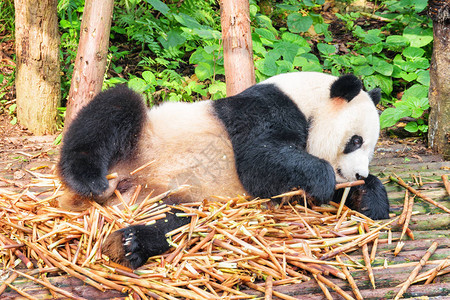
(103, 133)
(133, 245)
(370, 198)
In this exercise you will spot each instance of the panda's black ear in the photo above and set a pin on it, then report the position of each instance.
(346, 87)
(375, 94)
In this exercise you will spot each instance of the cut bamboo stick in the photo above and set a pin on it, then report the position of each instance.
(416, 270)
(400, 181)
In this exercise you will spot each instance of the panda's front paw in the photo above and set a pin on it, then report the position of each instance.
(370, 199)
(322, 183)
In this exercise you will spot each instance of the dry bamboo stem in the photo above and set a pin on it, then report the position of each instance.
(269, 288)
(416, 270)
(407, 216)
(401, 219)
(373, 253)
(23, 293)
(333, 286)
(349, 184)
(446, 183)
(342, 203)
(324, 289)
(436, 270)
(275, 293)
(8, 281)
(350, 280)
(142, 167)
(366, 237)
(400, 181)
(366, 257)
(17, 252)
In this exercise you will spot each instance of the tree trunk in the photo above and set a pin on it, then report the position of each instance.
(439, 95)
(237, 45)
(90, 63)
(38, 83)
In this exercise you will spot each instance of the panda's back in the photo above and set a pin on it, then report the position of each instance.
(187, 144)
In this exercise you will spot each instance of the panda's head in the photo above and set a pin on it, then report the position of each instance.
(343, 119)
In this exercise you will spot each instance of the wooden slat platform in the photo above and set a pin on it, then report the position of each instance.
(428, 225)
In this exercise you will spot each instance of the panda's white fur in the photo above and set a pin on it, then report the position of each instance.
(187, 145)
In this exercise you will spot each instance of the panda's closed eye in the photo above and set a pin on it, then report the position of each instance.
(354, 143)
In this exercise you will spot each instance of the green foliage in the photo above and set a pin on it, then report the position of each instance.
(172, 50)
(7, 18)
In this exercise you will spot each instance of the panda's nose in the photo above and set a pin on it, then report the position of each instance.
(359, 177)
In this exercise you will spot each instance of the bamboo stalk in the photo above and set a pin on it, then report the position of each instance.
(416, 270)
(446, 183)
(350, 279)
(142, 167)
(373, 253)
(400, 181)
(333, 286)
(324, 289)
(275, 293)
(268, 288)
(401, 219)
(17, 252)
(444, 264)
(407, 216)
(349, 184)
(23, 293)
(366, 237)
(8, 281)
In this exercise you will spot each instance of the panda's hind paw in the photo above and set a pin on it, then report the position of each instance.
(123, 247)
(133, 245)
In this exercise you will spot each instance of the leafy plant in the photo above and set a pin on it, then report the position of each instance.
(172, 51)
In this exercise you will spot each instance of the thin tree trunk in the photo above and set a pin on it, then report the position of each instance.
(237, 45)
(90, 63)
(38, 83)
(439, 95)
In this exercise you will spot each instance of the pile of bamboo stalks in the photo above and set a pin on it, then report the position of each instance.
(230, 245)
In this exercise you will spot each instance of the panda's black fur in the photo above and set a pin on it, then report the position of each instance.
(268, 134)
(104, 132)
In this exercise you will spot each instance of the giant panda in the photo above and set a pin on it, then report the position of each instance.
(301, 130)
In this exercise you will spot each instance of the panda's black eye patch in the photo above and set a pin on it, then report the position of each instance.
(353, 144)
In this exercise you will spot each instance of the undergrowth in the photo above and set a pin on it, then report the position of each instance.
(172, 50)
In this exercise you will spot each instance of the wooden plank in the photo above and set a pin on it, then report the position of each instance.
(65, 282)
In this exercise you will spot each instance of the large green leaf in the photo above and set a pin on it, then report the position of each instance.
(413, 52)
(326, 48)
(383, 67)
(204, 71)
(423, 77)
(378, 80)
(418, 91)
(412, 127)
(287, 50)
(138, 84)
(390, 117)
(298, 23)
(417, 36)
(160, 6)
(396, 41)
